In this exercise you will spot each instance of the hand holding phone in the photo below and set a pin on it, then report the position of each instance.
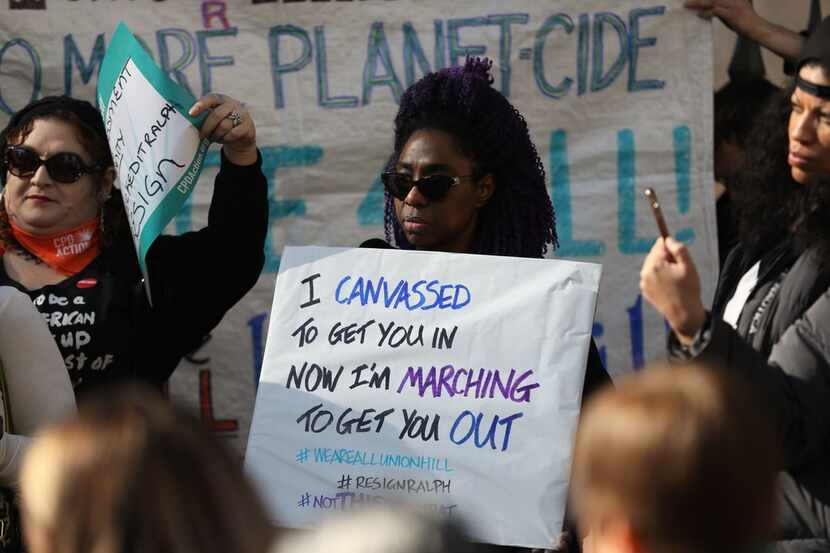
(651, 196)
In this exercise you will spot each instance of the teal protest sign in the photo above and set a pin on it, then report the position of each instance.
(155, 144)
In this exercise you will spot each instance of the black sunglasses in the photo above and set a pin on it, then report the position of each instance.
(64, 167)
(433, 187)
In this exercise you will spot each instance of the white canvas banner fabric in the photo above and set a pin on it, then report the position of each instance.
(617, 95)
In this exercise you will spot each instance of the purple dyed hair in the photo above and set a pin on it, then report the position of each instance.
(519, 219)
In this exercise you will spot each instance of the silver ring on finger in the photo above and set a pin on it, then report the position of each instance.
(235, 118)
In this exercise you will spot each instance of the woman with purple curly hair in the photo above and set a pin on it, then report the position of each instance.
(465, 177)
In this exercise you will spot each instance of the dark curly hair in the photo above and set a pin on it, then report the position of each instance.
(737, 105)
(518, 220)
(86, 120)
(771, 206)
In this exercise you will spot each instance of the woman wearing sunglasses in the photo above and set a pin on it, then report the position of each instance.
(66, 242)
(465, 177)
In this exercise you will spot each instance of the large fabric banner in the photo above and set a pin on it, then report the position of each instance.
(421, 376)
(617, 95)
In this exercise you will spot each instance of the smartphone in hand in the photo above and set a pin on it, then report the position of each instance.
(651, 197)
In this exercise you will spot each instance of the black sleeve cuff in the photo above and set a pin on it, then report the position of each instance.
(241, 170)
(679, 352)
(240, 194)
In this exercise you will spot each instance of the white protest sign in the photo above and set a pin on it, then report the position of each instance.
(453, 381)
(155, 144)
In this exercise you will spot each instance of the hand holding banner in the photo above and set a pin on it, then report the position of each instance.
(450, 380)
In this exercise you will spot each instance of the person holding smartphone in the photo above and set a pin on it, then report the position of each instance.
(770, 319)
(465, 177)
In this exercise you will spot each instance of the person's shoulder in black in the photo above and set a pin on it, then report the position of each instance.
(196, 277)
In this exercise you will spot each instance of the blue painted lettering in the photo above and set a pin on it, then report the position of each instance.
(549, 90)
(629, 242)
(682, 168)
(600, 81)
(635, 326)
(37, 71)
(457, 52)
(72, 56)
(583, 47)
(489, 437)
(413, 52)
(280, 67)
(636, 43)
(561, 194)
(206, 61)
(377, 53)
(505, 22)
(323, 97)
(367, 291)
(187, 46)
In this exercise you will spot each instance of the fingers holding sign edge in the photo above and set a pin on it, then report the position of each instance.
(209, 101)
(228, 122)
(703, 8)
(217, 125)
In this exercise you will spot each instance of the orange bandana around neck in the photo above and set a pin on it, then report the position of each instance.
(67, 252)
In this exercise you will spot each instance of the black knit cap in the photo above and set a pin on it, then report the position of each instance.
(817, 47)
(816, 50)
(86, 113)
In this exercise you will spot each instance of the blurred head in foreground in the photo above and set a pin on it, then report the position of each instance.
(677, 460)
(131, 475)
(380, 529)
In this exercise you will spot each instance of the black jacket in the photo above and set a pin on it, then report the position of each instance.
(782, 347)
(101, 318)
